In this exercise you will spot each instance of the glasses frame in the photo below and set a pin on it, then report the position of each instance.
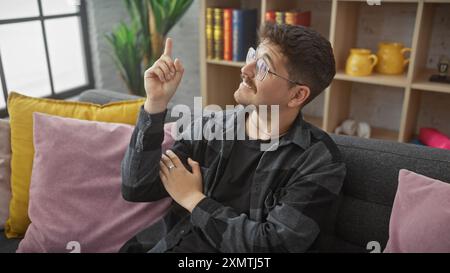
(251, 57)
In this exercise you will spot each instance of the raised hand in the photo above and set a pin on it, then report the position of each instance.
(162, 79)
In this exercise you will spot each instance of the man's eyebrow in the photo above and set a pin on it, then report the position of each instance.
(267, 56)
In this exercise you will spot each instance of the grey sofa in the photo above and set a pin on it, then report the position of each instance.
(362, 213)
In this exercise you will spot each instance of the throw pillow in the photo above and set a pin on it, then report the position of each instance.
(21, 109)
(5, 170)
(75, 191)
(420, 216)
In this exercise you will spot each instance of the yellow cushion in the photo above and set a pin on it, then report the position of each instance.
(21, 110)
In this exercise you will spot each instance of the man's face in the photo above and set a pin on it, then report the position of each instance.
(272, 90)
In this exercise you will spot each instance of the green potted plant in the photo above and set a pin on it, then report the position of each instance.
(135, 46)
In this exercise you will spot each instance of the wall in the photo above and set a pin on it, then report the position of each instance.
(105, 14)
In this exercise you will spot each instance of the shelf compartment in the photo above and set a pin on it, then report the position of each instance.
(375, 78)
(358, 25)
(320, 11)
(221, 83)
(422, 83)
(316, 121)
(385, 134)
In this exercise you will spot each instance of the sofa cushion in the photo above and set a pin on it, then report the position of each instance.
(420, 217)
(370, 186)
(75, 191)
(20, 110)
(5, 171)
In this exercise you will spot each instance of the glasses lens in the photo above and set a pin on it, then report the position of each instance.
(250, 55)
(261, 69)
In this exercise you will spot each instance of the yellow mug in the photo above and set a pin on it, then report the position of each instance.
(391, 58)
(360, 62)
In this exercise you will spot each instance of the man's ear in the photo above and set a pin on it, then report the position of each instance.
(298, 95)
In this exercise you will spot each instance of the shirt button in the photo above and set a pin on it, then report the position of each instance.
(182, 231)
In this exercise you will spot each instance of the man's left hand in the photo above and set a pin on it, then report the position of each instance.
(183, 186)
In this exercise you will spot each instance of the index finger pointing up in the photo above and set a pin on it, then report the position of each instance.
(168, 48)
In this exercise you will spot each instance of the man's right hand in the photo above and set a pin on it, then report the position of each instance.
(161, 80)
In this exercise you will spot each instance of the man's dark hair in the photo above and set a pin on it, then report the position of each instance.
(310, 58)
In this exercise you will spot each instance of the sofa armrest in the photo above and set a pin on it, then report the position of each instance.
(103, 96)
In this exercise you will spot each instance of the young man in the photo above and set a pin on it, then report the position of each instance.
(229, 196)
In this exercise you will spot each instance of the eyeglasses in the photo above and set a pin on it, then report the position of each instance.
(262, 68)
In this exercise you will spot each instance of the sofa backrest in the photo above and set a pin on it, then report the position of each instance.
(364, 209)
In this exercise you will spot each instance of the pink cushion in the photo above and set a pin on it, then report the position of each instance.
(75, 192)
(433, 138)
(420, 218)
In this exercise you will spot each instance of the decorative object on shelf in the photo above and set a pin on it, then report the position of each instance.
(442, 66)
(417, 142)
(360, 62)
(351, 127)
(434, 138)
(391, 59)
(137, 45)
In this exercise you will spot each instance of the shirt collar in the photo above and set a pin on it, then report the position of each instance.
(299, 133)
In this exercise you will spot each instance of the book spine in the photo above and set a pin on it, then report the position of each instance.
(250, 28)
(228, 34)
(270, 16)
(279, 17)
(236, 30)
(291, 18)
(304, 18)
(218, 34)
(210, 33)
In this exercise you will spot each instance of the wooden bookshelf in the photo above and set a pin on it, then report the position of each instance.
(219, 79)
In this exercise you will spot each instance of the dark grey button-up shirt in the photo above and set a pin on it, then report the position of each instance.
(293, 189)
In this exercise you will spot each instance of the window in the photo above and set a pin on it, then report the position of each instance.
(44, 49)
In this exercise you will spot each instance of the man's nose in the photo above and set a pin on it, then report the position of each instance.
(249, 69)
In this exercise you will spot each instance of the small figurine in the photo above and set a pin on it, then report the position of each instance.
(442, 66)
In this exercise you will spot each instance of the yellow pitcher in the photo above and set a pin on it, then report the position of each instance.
(391, 58)
(360, 62)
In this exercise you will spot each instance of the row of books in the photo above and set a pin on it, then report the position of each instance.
(231, 32)
(301, 18)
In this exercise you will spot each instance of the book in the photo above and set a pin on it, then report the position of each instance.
(279, 17)
(210, 33)
(304, 18)
(290, 18)
(244, 32)
(296, 18)
(228, 34)
(218, 34)
(270, 16)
